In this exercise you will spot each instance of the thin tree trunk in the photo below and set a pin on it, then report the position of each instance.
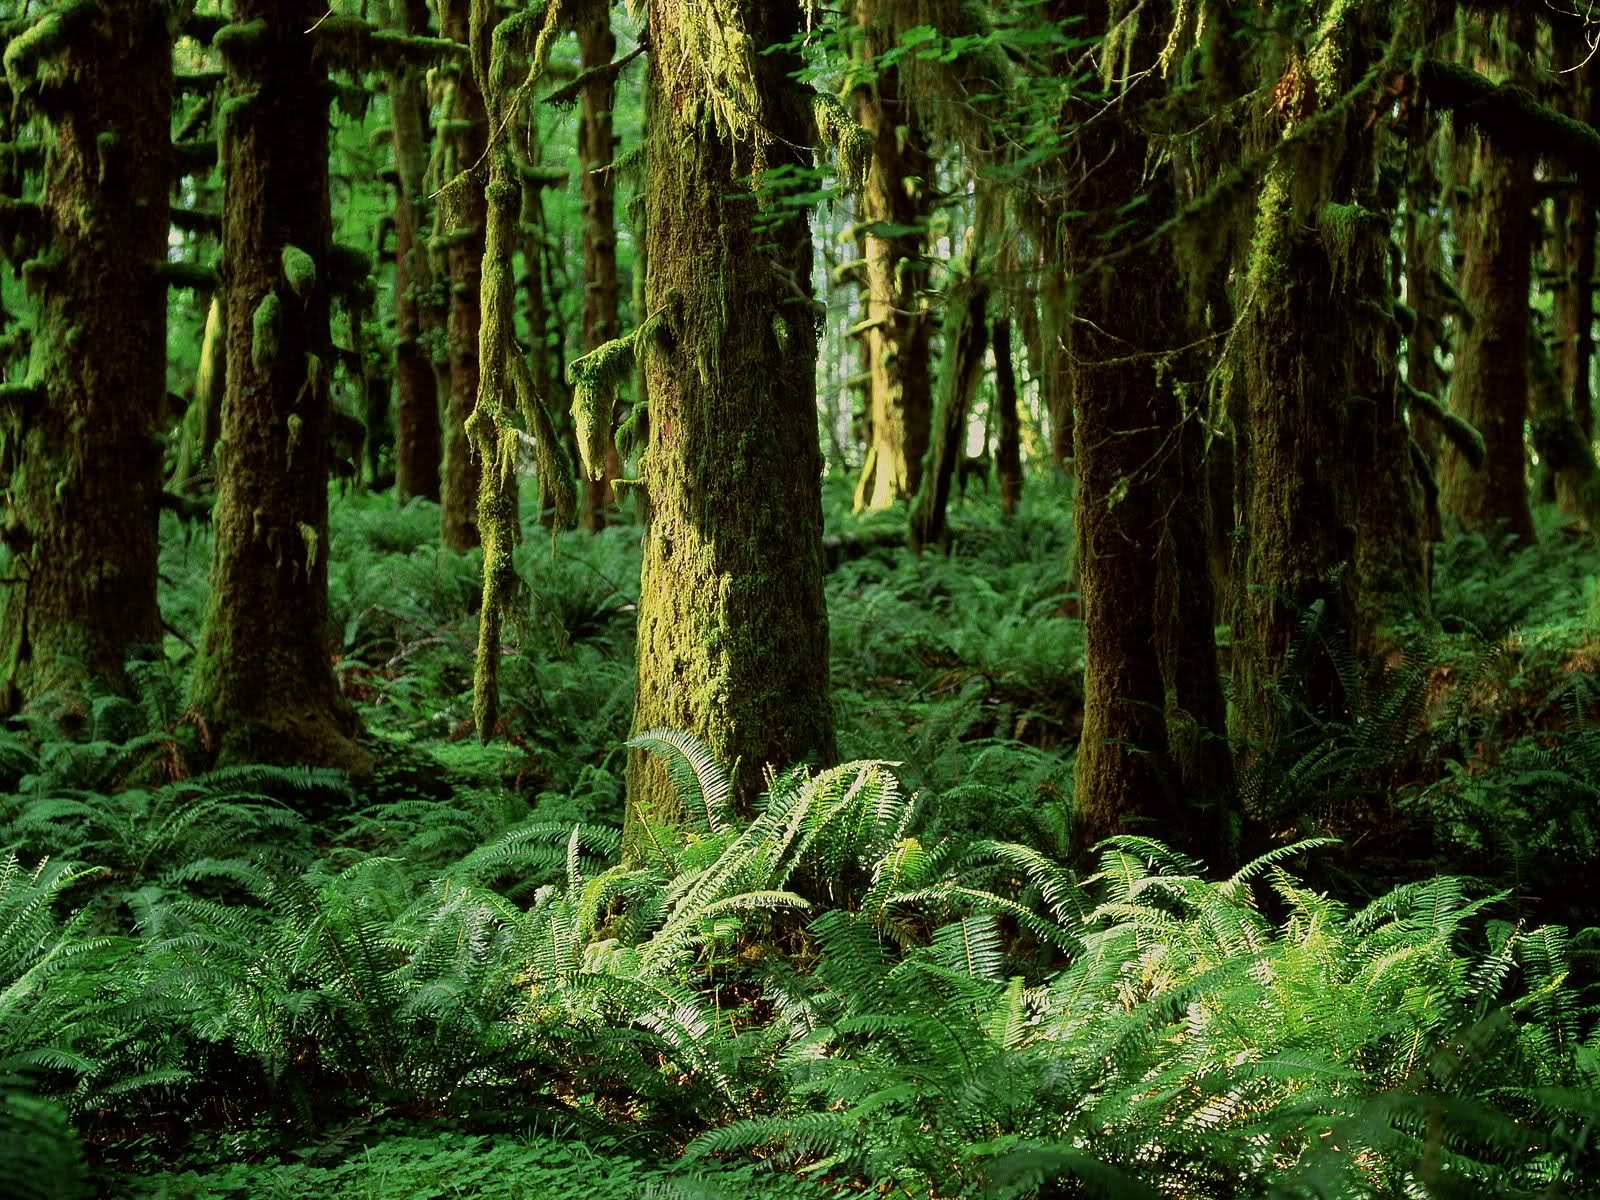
(966, 336)
(1008, 451)
(596, 149)
(463, 233)
(263, 678)
(419, 323)
(894, 205)
(81, 464)
(733, 631)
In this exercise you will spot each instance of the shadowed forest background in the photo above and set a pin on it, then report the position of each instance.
(758, 598)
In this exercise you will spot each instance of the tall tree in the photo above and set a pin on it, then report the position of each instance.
(1490, 386)
(596, 149)
(895, 207)
(77, 437)
(733, 632)
(461, 228)
(1129, 327)
(1323, 462)
(419, 323)
(263, 678)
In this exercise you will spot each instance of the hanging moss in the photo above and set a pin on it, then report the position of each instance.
(44, 39)
(1510, 116)
(595, 379)
(264, 327)
(852, 144)
(300, 270)
(313, 544)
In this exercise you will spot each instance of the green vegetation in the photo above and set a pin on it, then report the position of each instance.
(741, 598)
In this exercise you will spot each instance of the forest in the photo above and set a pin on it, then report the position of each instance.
(767, 599)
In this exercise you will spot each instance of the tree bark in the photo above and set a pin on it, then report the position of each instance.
(1008, 449)
(80, 460)
(419, 323)
(733, 630)
(596, 149)
(1490, 387)
(894, 205)
(263, 677)
(966, 336)
(463, 234)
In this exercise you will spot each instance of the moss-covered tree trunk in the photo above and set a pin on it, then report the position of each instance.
(263, 678)
(78, 453)
(894, 207)
(733, 631)
(462, 225)
(1008, 446)
(1490, 386)
(596, 149)
(1125, 420)
(418, 318)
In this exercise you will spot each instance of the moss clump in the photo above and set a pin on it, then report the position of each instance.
(595, 379)
(852, 143)
(312, 542)
(264, 331)
(300, 269)
(42, 40)
(240, 39)
(296, 425)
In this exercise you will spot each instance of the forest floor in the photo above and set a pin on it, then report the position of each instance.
(1476, 753)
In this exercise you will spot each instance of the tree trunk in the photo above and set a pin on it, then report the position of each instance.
(263, 678)
(966, 335)
(463, 235)
(1008, 451)
(733, 631)
(1491, 376)
(894, 206)
(81, 463)
(596, 149)
(1574, 299)
(1125, 413)
(417, 313)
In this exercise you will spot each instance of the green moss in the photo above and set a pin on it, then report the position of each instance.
(42, 40)
(241, 38)
(296, 425)
(312, 541)
(1269, 248)
(1353, 237)
(264, 332)
(851, 142)
(595, 379)
(300, 269)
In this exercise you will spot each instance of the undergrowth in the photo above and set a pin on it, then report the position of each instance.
(260, 981)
